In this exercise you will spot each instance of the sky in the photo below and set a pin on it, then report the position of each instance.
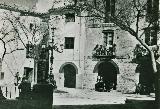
(41, 5)
(25, 3)
(44, 5)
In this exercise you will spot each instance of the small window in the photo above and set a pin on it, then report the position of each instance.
(29, 51)
(111, 42)
(108, 37)
(150, 36)
(70, 17)
(53, 30)
(2, 76)
(31, 26)
(69, 42)
(28, 73)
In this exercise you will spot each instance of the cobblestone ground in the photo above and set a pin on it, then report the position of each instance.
(70, 96)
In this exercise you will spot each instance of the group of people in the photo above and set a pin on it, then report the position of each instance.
(103, 50)
(103, 86)
(25, 87)
(143, 89)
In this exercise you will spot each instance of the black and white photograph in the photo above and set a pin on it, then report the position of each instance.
(79, 54)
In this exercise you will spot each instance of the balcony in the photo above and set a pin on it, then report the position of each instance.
(101, 52)
(108, 26)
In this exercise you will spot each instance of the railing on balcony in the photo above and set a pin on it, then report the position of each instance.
(104, 52)
(108, 26)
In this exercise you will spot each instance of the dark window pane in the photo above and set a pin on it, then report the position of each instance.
(69, 42)
(67, 46)
(70, 17)
(2, 75)
(150, 36)
(72, 46)
(31, 26)
(108, 37)
(29, 51)
(105, 40)
(111, 42)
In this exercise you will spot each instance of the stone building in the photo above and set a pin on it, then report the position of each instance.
(75, 67)
(80, 33)
(19, 60)
(22, 49)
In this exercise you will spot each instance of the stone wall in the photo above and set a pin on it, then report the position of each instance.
(86, 38)
(127, 79)
(125, 43)
(89, 80)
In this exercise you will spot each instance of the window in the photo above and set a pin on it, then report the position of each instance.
(2, 76)
(70, 17)
(53, 30)
(149, 10)
(69, 42)
(152, 11)
(29, 51)
(108, 37)
(28, 72)
(150, 36)
(110, 8)
(31, 26)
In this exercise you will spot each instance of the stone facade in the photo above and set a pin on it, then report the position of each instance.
(87, 32)
(15, 59)
(87, 36)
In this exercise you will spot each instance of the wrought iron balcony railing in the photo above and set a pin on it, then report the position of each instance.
(103, 52)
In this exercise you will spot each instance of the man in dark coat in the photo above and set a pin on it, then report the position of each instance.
(25, 88)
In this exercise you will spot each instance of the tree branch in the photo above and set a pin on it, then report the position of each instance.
(14, 50)
(4, 45)
(15, 29)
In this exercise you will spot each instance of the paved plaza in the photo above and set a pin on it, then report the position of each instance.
(71, 96)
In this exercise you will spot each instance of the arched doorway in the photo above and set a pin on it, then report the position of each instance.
(69, 70)
(108, 71)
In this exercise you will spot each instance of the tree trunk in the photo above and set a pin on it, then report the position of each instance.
(155, 14)
(157, 87)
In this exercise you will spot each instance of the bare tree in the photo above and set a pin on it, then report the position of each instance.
(129, 15)
(14, 30)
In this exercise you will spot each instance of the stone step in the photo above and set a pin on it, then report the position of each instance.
(143, 104)
(107, 106)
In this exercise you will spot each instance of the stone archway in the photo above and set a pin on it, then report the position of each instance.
(70, 70)
(108, 70)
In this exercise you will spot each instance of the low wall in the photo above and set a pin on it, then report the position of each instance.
(28, 104)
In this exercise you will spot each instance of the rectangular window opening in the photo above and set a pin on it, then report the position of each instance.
(69, 42)
(29, 51)
(70, 17)
(2, 76)
(108, 37)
